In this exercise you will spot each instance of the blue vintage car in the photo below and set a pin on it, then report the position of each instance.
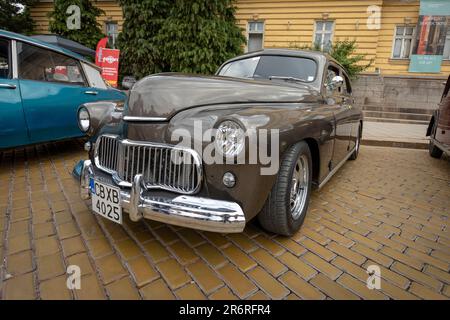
(41, 88)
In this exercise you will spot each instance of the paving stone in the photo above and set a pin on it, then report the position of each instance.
(239, 258)
(205, 277)
(272, 265)
(268, 284)
(110, 268)
(298, 266)
(300, 287)
(190, 292)
(73, 246)
(50, 266)
(122, 290)
(20, 288)
(157, 290)
(90, 289)
(55, 289)
(332, 289)
(183, 252)
(142, 271)
(173, 273)
(238, 283)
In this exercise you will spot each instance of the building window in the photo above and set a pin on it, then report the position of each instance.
(402, 42)
(323, 35)
(447, 45)
(112, 31)
(255, 36)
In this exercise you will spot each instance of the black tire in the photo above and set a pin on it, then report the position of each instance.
(435, 152)
(358, 144)
(276, 215)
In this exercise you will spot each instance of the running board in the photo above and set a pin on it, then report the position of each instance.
(332, 172)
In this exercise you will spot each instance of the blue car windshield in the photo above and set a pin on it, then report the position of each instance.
(271, 67)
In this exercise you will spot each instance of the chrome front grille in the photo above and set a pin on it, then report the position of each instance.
(162, 166)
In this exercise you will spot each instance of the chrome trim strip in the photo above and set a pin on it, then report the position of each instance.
(184, 211)
(15, 66)
(195, 156)
(144, 119)
(332, 172)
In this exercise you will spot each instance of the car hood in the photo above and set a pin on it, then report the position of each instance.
(163, 95)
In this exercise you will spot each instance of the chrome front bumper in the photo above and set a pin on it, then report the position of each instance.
(186, 211)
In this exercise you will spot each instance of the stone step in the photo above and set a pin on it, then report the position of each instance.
(406, 121)
(397, 115)
(377, 107)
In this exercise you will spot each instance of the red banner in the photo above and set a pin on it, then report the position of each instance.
(110, 65)
(98, 52)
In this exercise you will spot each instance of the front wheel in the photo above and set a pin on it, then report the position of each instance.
(285, 209)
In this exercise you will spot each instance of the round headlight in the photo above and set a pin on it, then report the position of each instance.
(84, 119)
(230, 138)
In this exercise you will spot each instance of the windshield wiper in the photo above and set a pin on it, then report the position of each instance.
(286, 78)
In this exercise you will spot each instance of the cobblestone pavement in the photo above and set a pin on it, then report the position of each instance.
(389, 208)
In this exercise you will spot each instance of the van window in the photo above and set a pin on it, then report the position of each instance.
(45, 65)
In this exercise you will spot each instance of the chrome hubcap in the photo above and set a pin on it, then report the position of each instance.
(299, 188)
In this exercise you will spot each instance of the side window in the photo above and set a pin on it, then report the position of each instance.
(94, 77)
(331, 73)
(346, 87)
(4, 59)
(44, 65)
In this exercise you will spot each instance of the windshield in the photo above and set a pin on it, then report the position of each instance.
(272, 67)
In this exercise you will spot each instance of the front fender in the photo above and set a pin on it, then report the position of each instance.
(254, 181)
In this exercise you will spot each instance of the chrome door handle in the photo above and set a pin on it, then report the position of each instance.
(94, 93)
(7, 86)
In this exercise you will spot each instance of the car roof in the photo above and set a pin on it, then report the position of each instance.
(316, 55)
(20, 37)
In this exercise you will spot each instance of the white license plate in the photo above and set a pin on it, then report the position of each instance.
(106, 200)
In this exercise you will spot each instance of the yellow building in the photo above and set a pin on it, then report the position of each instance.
(383, 29)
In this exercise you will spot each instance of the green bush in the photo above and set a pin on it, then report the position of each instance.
(90, 32)
(15, 16)
(182, 36)
(344, 53)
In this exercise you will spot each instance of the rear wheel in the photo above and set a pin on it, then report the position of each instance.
(285, 209)
(435, 152)
(357, 145)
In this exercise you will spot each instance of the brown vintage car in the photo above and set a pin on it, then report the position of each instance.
(300, 100)
(439, 127)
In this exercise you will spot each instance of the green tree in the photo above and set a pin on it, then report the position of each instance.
(140, 53)
(199, 35)
(344, 53)
(15, 16)
(185, 36)
(90, 31)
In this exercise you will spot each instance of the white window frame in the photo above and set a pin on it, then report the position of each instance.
(447, 40)
(255, 32)
(114, 35)
(403, 37)
(323, 32)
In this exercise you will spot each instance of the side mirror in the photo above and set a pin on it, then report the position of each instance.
(128, 82)
(336, 83)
